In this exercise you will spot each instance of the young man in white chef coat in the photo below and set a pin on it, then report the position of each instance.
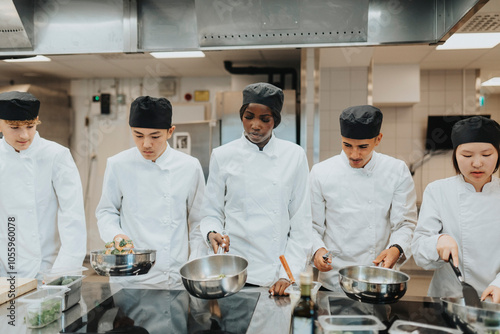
(152, 194)
(363, 202)
(42, 217)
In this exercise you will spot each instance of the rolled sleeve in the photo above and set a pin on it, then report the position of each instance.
(427, 233)
(194, 204)
(318, 212)
(71, 215)
(403, 215)
(108, 209)
(299, 241)
(213, 202)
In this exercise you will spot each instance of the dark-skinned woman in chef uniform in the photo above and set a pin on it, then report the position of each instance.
(257, 190)
(460, 215)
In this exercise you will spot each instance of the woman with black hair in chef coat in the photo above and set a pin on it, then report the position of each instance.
(257, 190)
(460, 215)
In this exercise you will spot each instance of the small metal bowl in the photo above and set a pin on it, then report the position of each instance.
(123, 264)
(374, 285)
(214, 276)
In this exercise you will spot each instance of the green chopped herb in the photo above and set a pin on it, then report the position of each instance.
(50, 311)
(67, 281)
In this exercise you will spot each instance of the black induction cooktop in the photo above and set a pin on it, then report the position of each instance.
(142, 311)
(430, 313)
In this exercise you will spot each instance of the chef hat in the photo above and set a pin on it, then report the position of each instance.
(360, 122)
(18, 106)
(266, 94)
(475, 129)
(151, 113)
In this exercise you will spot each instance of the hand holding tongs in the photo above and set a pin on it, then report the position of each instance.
(220, 250)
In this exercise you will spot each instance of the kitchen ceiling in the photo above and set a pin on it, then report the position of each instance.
(121, 65)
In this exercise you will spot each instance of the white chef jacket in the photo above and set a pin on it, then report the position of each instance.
(361, 211)
(41, 188)
(262, 198)
(157, 204)
(452, 206)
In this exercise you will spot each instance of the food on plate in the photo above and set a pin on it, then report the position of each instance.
(119, 246)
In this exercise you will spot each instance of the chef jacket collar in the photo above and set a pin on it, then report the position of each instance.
(26, 152)
(487, 188)
(269, 149)
(162, 161)
(367, 169)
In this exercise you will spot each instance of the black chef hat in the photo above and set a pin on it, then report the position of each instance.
(475, 129)
(360, 122)
(266, 94)
(18, 106)
(151, 113)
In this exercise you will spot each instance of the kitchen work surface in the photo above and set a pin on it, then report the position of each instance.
(23, 285)
(105, 307)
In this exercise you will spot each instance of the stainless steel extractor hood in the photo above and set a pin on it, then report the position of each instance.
(13, 31)
(130, 26)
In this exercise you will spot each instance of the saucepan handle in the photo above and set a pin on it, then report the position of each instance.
(456, 270)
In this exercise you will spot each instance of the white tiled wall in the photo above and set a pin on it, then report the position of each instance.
(404, 128)
(339, 89)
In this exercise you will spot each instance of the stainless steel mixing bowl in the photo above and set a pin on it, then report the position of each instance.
(375, 285)
(123, 264)
(472, 319)
(214, 276)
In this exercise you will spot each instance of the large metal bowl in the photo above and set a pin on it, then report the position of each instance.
(472, 319)
(214, 276)
(374, 285)
(123, 264)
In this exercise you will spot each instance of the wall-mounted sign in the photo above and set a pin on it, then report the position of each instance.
(182, 142)
(201, 95)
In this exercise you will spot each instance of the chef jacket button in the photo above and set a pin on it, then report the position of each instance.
(165, 195)
(370, 202)
(164, 221)
(274, 182)
(275, 211)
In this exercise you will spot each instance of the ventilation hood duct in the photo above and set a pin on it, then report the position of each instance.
(13, 32)
(131, 26)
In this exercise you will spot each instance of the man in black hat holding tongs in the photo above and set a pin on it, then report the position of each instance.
(152, 194)
(363, 202)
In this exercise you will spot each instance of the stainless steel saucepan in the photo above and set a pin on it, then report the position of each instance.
(375, 285)
(471, 319)
(138, 263)
(214, 276)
